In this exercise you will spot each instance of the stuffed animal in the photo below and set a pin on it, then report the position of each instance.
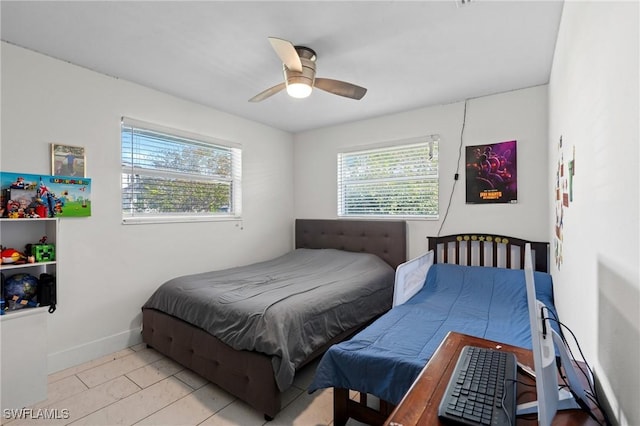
(10, 255)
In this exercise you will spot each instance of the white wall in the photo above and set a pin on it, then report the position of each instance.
(519, 115)
(107, 270)
(593, 105)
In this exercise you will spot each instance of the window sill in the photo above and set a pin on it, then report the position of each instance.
(389, 217)
(177, 219)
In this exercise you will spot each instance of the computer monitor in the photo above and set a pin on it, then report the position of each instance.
(550, 397)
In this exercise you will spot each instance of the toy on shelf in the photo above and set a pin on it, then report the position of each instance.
(26, 291)
(11, 256)
(20, 291)
(42, 252)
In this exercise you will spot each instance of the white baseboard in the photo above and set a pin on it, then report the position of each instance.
(89, 351)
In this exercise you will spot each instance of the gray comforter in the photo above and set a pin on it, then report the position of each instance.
(286, 307)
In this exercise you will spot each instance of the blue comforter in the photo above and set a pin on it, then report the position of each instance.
(385, 358)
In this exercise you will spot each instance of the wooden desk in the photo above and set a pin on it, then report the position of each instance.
(420, 405)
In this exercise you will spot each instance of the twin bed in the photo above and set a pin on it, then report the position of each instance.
(436, 293)
(249, 329)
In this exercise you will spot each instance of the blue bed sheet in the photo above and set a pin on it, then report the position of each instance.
(385, 358)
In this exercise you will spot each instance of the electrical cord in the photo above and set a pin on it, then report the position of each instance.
(591, 393)
(520, 382)
(566, 343)
(581, 403)
(504, 394)
(589, 379)
(457, 175)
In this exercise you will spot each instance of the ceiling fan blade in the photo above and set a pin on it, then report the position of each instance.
(341, 88)
(287, 53)
(268, 93)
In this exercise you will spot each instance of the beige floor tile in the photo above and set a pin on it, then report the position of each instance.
(372, 401)
(154, 372)
(236, 414)
(307, 410)
(138, 386)
(139, 347)
(192, 409)
(191, 378)
(85, 403)
(305, 375)
(62, 389)
(101, 396)
(117, 367)
(54, 377)
(139, 405)
(289, 395)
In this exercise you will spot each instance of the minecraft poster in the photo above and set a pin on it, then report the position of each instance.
(491, 173)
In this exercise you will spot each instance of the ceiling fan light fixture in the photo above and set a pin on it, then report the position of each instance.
(298, 90)
(299, 84)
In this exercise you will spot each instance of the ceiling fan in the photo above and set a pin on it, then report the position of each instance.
(299, 66)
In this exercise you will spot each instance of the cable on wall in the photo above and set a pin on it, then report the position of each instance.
(591, 393)
(457, 175)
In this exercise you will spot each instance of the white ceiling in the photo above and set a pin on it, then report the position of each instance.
(408, 54)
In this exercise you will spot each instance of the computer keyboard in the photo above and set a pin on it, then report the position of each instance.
(482, 389)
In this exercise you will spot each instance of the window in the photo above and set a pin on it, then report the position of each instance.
(170, 175)
(398, 180)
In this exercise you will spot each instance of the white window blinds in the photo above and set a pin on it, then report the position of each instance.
(400, 180)
(169, 174)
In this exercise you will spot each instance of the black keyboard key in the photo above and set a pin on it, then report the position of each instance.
(481, 380)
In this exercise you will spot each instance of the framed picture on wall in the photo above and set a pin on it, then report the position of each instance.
(492, 173)
(27, 196)
(67, 160)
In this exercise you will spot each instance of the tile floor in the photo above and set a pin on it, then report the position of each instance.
(139, 386)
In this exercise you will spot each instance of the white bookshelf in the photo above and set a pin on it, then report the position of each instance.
(23, 332)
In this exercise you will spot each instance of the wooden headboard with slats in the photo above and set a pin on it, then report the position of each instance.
(488, 250)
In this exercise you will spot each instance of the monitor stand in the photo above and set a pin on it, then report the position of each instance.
(566, 399)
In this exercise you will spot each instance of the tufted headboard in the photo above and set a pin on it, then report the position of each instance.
(385, 238)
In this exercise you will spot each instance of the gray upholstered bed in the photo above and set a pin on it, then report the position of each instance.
(247, 350)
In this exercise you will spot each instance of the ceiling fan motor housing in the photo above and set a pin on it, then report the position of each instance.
(308, 74)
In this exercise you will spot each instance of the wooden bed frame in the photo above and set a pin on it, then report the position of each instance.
(460, 249)
(488, 250)
(249, 375)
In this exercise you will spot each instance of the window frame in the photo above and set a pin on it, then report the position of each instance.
(432, 140)
(235, 181)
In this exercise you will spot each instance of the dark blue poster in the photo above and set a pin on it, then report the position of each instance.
(491, 173)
